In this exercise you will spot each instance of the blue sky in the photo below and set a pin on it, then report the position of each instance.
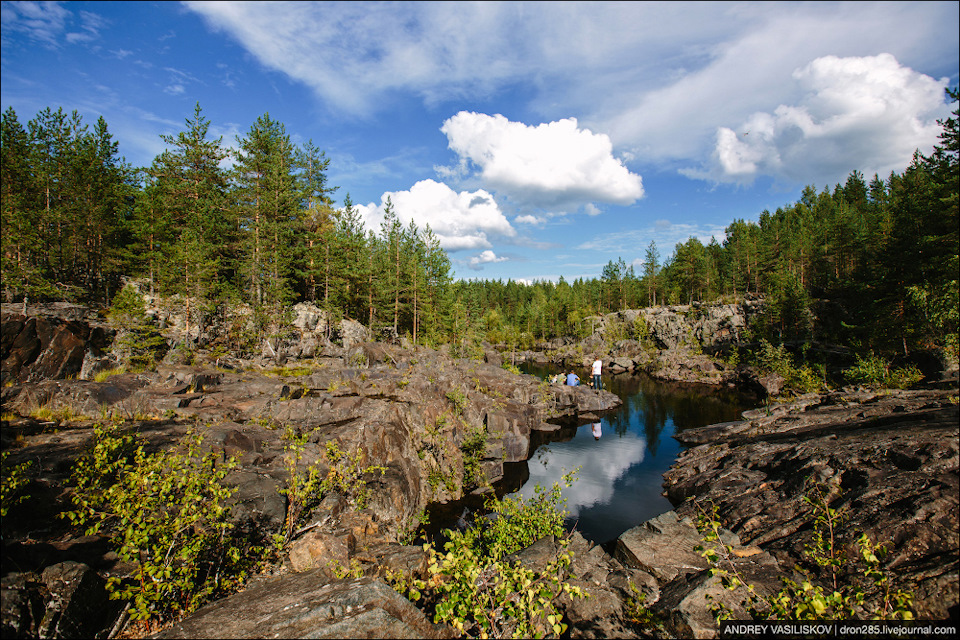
(537, 140)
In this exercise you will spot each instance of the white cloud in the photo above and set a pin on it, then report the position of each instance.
(555, 164)
(536, 221)
(41, 21)
(486, 257)
(461, 220)
(868, 113)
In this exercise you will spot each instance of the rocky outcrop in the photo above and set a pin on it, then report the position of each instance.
(310, 605)
(409, 411)
(697, 325)
(52, 341)
(667, 343)
(665, 548)
(889, 461)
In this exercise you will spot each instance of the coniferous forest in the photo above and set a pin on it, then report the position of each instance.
(871, 264)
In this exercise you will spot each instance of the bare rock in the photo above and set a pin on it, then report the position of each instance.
(308, 605)
(889, 461)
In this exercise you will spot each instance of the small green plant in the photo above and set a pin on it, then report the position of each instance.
(512, 368)
(101, 376)
(14, 480)
(459, 399)
(637, 611)
(167, 513)
(57, 414)
(347, 472)
(413, 526)
(474, 447)
(355, 570)
(307, 486)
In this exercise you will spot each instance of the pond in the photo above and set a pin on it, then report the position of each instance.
(619, 484)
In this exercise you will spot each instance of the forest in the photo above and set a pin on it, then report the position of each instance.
(870, 265)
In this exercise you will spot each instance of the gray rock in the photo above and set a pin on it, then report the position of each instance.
(308, 605)
(664, 547)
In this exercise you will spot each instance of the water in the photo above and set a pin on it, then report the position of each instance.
(620, 480)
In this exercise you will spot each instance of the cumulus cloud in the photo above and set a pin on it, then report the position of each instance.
(555, 164)
(463, 220)
(869, 113)
(487, 257)
(536, 221)
(656, 77)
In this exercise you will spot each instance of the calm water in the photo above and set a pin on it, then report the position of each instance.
(620, 481)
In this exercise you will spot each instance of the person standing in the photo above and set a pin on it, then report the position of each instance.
(597, 367)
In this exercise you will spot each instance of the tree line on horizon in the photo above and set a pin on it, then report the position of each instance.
(870, 265)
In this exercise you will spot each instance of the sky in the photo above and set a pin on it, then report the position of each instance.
(537, 140)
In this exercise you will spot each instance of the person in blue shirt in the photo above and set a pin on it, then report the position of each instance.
(573, 379)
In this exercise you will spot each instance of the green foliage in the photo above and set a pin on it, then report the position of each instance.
(874, 371)
(474, 447)
(512, 368)
(13, 481)
(637, 612)
(807, 598)
(459, 399)
(139, 342)
(166, 512)
(520, 522)
(776, 359)
(347, 474)
(307, 485)
(478, 590)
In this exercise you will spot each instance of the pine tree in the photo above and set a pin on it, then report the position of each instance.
(192, 193)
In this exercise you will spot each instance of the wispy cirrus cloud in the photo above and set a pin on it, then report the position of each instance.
(657, 78)
(50, 23)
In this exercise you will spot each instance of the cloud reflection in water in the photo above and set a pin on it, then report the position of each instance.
(602, 462)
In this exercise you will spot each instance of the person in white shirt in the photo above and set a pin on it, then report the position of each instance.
(597, 366)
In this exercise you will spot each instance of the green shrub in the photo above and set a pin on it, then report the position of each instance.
(474, 447)
(167, 513)
(776, 359)
(306, 487)
(14, 479)
(459, 399)
(473, 587)
(874, 371)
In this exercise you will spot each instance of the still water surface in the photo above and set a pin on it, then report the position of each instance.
(619, 484)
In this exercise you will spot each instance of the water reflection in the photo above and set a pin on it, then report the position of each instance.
(621, 473)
